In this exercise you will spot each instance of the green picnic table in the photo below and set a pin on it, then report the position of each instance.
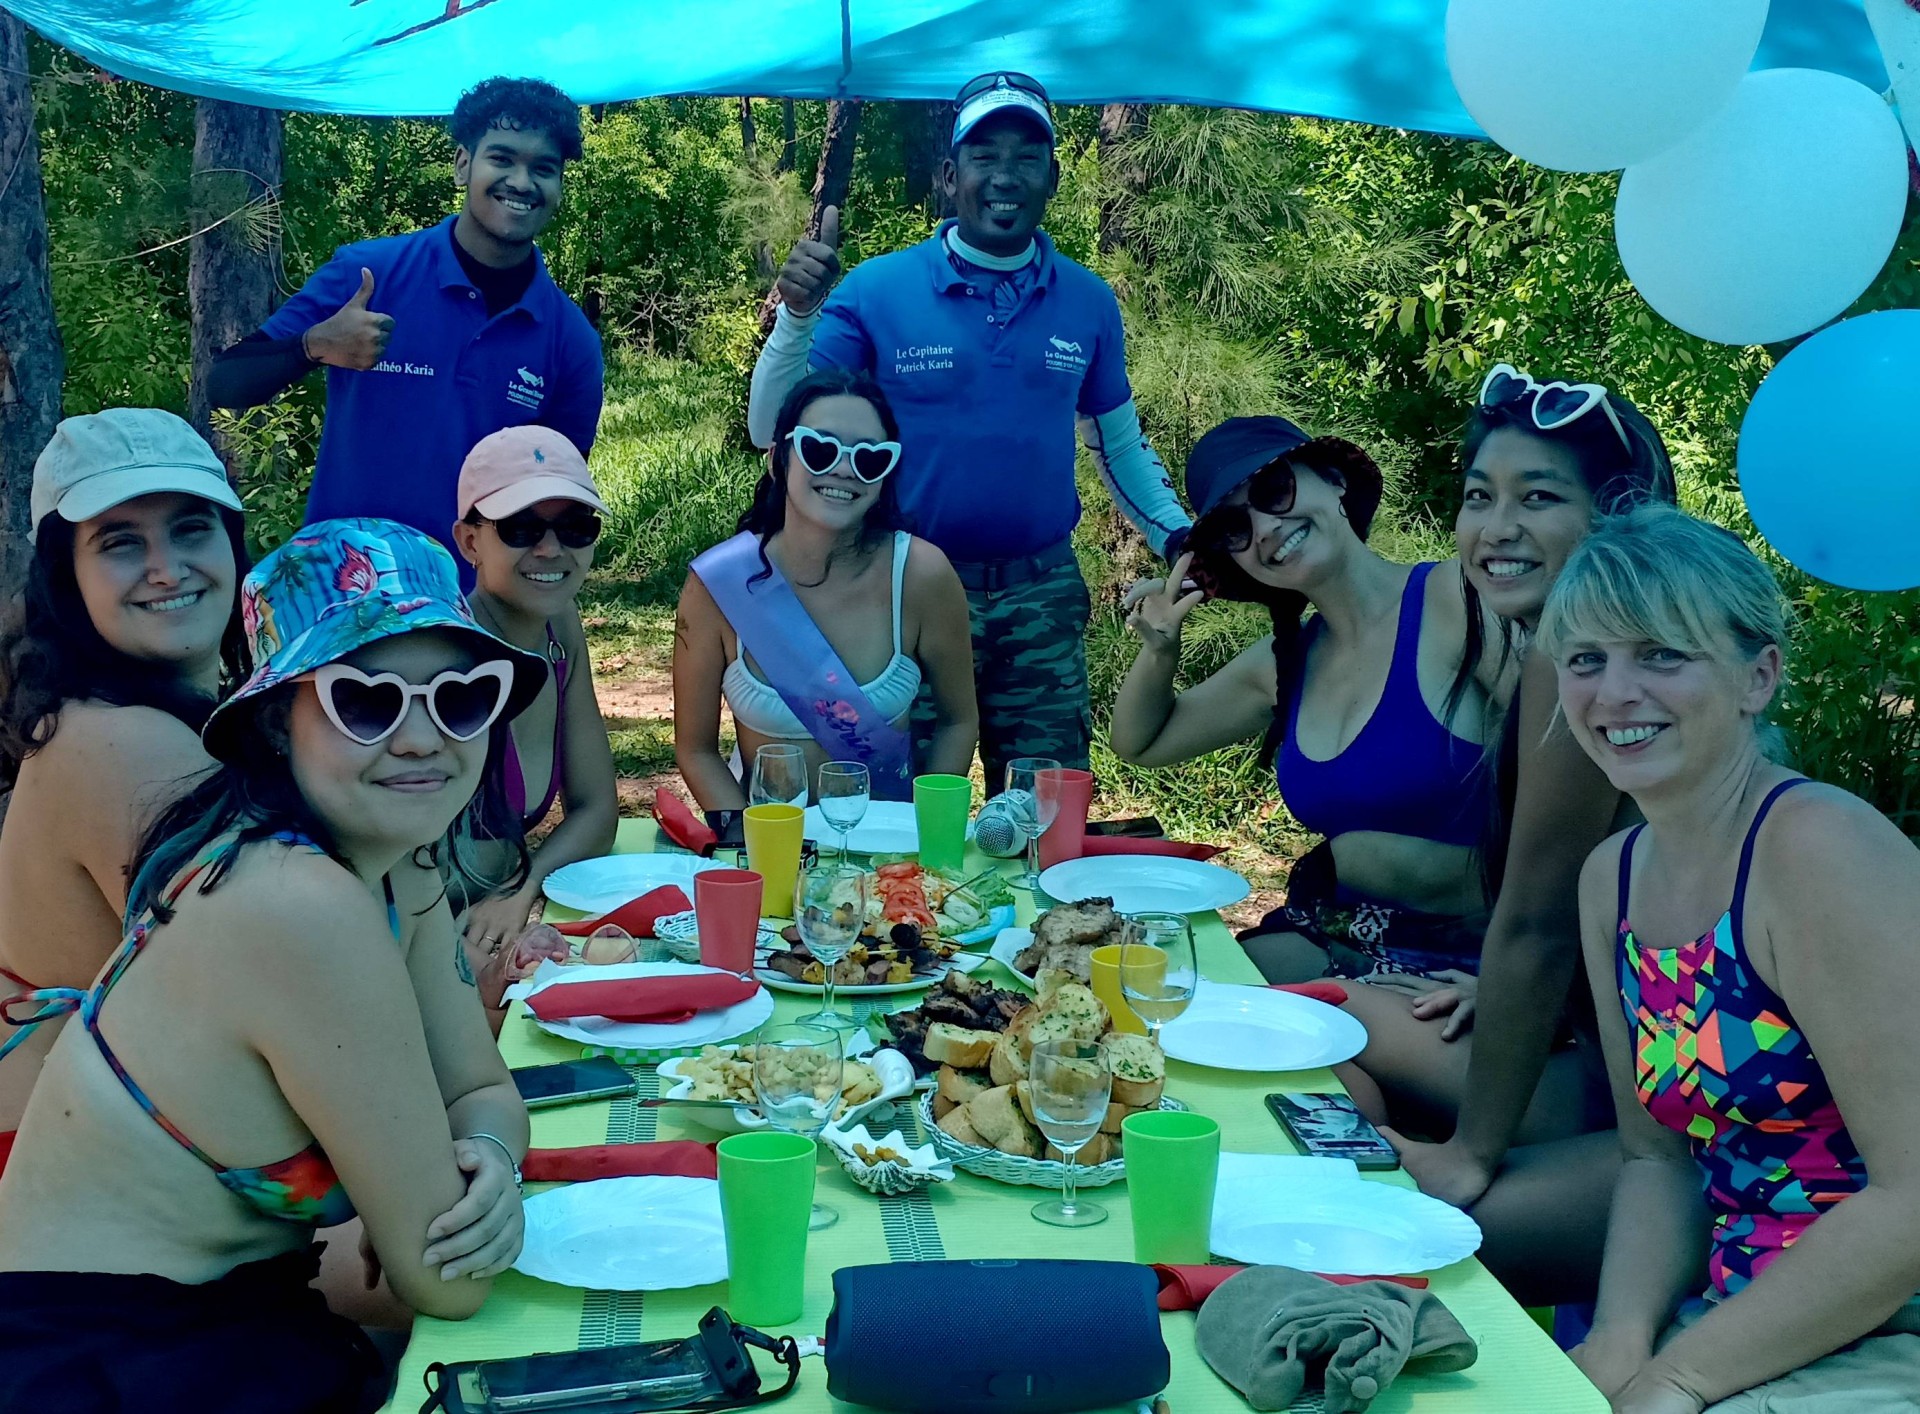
(1519, 1371)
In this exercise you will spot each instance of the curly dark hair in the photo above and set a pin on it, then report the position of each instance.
(768, 512)
(518, 105)
(51, 653)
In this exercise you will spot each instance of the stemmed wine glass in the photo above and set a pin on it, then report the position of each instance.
(1033, 798)
(1157, 968)
(829, 909)
(779, 776)
(797, 1074)
(1071, 1084)
(844, 791)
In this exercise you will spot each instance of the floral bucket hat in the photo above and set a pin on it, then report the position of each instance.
(339, 585)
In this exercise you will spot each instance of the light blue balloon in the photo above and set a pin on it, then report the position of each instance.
(1830, 453)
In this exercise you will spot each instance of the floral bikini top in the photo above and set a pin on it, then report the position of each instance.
(301, 1189)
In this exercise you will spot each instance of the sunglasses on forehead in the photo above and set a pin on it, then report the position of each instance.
(821, 452)
(1229, 529)
(1555, 405)
(986, 83)
(523, 529)
(369, 707)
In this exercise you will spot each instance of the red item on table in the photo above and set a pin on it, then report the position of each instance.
(1128, 844)
(903, 895)
(6, 1146)
(1332, 993)
(680, 824)
(1186, 1288)
(637, 917)
(681, 1158)
(1066, 837)
(652, 1001)
(726, 908)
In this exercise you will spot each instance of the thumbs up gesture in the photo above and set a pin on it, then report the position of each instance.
(353, 336)
(812, 266)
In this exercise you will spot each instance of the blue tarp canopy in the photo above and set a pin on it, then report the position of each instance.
(1374, 61)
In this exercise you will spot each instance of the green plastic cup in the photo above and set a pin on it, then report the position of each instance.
(940, 808)
(1173, 1160)
(766, 1196)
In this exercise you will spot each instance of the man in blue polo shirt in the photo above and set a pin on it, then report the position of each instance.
(436, 339)
(991, 347)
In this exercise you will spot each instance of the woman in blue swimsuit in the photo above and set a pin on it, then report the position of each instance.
(289, 1032)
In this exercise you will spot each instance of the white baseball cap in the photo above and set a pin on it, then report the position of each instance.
(103, 459)
(982, 97)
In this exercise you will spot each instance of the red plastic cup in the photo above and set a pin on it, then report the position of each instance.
(1066, 838)
(726, 912)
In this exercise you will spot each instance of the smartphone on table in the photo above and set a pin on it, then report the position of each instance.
(1331, 1127)
(569, 1082)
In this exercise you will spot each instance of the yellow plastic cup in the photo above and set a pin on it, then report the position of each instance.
(773, 852)
(1148, 968)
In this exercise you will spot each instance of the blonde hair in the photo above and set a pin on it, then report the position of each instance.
(1657, 575)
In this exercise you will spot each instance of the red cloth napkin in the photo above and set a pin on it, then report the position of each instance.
(654, 1001)
(1186, 1288)
(680, 824)
(637, 916)
(1332, 993)
(1128, 844)
(679, 1157)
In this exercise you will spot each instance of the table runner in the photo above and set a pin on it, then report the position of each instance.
(1520, 1371)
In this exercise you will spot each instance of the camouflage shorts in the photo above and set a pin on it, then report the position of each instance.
(1029, 672)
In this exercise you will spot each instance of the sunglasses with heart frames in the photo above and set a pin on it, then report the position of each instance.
(820, 453)
(1229, 529)
(523, 530)
(369, 708)
(1555, 405)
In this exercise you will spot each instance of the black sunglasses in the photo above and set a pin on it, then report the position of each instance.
(1229, 529)
(986, 83)
(523, 529)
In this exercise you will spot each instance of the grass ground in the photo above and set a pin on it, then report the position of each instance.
(672, 464)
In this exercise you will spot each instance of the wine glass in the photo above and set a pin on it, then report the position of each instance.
(1157, 969)
(844, 791)
(1071, 1085)
(797, 1075)
(779, 776)
(1033, 798)
(829, 909)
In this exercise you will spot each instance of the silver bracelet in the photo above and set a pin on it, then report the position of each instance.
(512, 1163)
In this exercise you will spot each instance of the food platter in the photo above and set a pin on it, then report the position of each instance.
(890, 1077)
(780, 982)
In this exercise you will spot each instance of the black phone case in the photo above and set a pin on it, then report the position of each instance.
(1364, 1155)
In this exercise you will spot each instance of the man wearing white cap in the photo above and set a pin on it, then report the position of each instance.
(991, 347)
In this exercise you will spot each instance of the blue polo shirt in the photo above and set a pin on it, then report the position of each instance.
(986, 402)
(396, 434)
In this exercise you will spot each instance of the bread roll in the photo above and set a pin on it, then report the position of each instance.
(1116, 1114)
(1072, 1013)
(957, 1127)
(958, 1086)
(955, 1046)
(1097, 1150)
(1023, 1097)
(995, 1116)
(1139, 1069)
(1007, 1064)
(942, 1107)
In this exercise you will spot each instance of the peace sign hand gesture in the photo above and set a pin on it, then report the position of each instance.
(1157, 608)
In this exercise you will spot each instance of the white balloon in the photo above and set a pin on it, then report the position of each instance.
(1774, 217)
(1595, 85)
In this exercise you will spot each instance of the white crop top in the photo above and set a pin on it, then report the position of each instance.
(761, 710)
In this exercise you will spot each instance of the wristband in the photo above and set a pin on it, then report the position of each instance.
(519, 1181)
(306, 352)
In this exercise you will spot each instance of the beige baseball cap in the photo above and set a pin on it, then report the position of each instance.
(100, 460)
(517, 467)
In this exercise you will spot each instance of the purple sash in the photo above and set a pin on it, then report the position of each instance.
(801, 665)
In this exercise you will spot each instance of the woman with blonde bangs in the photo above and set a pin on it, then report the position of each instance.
(1757, 931)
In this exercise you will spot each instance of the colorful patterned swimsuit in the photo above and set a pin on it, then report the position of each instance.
(1717, 1057)
(300, 1189)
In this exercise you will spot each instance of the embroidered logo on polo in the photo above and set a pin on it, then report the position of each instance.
(526, 388)
(1065, 356)
(922, 358)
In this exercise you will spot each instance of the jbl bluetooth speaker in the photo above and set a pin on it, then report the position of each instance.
(996, 1337)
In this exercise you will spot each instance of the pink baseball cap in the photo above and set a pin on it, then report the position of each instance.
(516, 467)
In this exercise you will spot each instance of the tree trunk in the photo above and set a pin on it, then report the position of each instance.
(233, 259)
(31, 360)
(750, 152)
(831, 181)
(789, 140)
(926, 132)
(1120, 178)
